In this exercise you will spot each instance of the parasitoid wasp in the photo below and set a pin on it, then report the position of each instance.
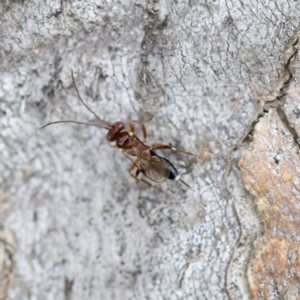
(144, 159)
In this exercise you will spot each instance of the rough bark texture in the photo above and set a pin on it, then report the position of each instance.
(270, 169)
(84, 229)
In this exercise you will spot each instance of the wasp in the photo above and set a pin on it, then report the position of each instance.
(144, 159)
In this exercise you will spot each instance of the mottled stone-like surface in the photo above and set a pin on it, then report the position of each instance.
(84, 230)
(7, 260)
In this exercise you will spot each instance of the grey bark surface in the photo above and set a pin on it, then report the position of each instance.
(84, 229)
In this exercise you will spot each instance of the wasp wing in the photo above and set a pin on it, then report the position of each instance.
(152, 166)
(156, 169)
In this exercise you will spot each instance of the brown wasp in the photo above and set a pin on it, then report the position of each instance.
(144, 158)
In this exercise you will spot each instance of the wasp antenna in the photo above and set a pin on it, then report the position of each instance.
(69, 121)
(86, 106)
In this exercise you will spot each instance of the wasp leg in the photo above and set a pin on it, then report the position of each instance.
(133, 166)
(167, 147)
(144, 133)
(131, 132)
(143, 129)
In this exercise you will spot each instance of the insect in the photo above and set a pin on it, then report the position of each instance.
(144, 159)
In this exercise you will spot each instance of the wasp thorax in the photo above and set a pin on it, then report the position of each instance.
(114, 131)
(122, 140)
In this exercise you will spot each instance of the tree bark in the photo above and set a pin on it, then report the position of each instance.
(208, 72)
